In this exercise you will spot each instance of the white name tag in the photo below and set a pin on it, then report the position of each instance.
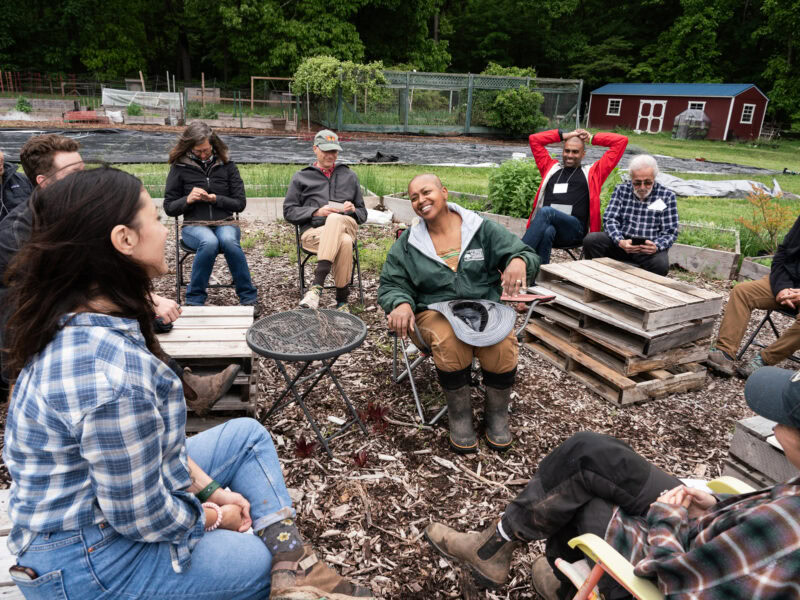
(657, 205)
(564, 208)
(560, 188)
(473, 255)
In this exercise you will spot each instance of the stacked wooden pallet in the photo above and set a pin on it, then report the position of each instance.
(626, 333)
(207, 339)
(755, 456)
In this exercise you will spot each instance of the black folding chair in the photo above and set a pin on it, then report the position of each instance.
(571, 250)
(425, 353)
(767, 319)
(182, 252)
(304, 255)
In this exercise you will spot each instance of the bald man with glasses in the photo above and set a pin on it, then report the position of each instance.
(640, 221)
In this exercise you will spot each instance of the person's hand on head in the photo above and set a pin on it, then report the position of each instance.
(513, 280)
(401, 320)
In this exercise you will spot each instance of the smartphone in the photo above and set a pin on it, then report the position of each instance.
(22, 572)
(638, 241)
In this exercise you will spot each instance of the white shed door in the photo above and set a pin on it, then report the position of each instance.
(651, 115)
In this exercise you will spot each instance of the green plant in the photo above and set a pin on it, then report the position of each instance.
(612, 181)
(208, 112)
(24, 105)
(770, 220)
(372, 254)
(193, 109)
(324, 75)
(517, 111)
(512, 187)
(134, 110)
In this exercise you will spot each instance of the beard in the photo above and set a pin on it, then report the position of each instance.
(642, 193)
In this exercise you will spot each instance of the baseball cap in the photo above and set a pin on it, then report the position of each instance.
(774, 393)
(327, 140)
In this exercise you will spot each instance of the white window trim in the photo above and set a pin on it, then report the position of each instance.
(752, 114)
(608, 107)
(703, 107)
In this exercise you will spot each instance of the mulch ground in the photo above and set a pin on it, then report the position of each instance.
(365, 510)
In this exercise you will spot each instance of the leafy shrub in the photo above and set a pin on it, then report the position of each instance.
(24, 105)
(323, 75)
(193, 110)
(770, 221)
(208, 112)
(512, 187)
(517, 111)
(134, 110)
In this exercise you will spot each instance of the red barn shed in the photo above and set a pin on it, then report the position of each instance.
(736, 110)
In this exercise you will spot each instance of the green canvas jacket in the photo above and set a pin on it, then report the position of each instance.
(414, 273)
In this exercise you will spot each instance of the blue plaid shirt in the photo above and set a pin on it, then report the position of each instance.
(626, 216)
(95, 434)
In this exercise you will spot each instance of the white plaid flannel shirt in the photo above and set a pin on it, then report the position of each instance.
(96, 433)
(626, 216)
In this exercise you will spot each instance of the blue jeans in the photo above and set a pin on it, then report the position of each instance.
(551, 227)
(208, 242)
(98, 563)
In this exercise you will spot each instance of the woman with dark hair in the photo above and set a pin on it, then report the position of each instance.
(109, 499)
(204, 186)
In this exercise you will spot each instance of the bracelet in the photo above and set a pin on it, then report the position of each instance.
(219, 515)
(206, 492)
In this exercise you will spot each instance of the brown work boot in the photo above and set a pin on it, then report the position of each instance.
(310, 579)
(203, 392)
(486, 553)
(545, 582)
(720, 362)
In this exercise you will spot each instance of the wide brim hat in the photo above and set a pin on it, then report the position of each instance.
(774, 394)
(478, 323)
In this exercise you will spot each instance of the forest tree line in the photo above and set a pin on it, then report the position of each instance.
(732, 41)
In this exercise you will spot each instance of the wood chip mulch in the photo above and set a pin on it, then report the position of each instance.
(365, 510)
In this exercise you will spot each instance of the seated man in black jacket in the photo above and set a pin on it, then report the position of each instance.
(14, 187)
(779, 290)
(325, 200)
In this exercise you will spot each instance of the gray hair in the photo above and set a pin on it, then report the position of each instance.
(643, 161)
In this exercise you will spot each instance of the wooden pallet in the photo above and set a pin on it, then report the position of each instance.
(601, 378)
(622, 359)
(629, 294)
(207, 339)
(756, 455)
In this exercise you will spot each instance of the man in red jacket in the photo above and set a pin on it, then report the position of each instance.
(567, 203)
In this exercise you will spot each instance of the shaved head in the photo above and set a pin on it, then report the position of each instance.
(426, 176)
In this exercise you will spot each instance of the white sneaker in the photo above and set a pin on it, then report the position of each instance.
(311, 299)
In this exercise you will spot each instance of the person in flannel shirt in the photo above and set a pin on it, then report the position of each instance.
(640, 221)
(109, 499)
(692, 544)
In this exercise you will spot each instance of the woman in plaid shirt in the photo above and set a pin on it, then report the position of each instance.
(108, 497)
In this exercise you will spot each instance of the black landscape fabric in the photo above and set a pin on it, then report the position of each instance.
(131, 146)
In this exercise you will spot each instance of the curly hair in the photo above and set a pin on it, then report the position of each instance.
(36, 156)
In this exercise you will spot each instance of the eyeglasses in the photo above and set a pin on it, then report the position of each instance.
(642, 182)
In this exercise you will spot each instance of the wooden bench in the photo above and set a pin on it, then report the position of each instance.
(207, 339)
(755, 456)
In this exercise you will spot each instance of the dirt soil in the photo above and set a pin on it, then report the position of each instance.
(368, 519)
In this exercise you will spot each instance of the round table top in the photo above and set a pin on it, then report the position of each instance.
(306, 335)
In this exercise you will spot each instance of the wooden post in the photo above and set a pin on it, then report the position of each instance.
(252, 94)
(468, 118)
(168, 82)
(141, 78)
(203, 88)
(50, 81)
(2, 87)
(61, 84)
(308, 107)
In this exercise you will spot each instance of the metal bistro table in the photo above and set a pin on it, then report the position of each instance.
(305, 336)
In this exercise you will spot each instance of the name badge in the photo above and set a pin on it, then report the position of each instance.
(560, 188)
(657, 205)
(473, 255)
(563, 208)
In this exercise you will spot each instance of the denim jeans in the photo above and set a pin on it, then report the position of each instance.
(208, 242)
(98, 563)
(551, 227)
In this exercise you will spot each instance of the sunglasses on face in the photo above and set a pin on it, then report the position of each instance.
(642, 182)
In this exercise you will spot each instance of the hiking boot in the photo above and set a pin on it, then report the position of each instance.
(459, 415)
(720, 362)
(486, 553)
(545, 582)
(310, 579)
(744, 371)
(311, 299)
(204, 391)
(495, 413)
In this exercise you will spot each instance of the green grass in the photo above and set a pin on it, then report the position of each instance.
(771, 155)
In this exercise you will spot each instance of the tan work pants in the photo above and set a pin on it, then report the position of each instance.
(451, 354)
(334, 242)
(743, 299)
